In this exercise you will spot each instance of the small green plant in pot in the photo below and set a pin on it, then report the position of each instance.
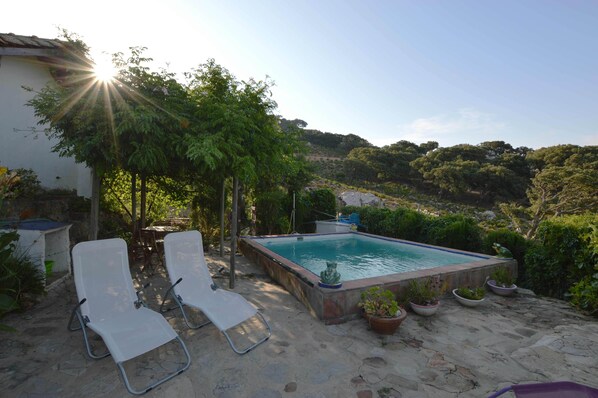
(469, 297)
(502, 282)
(423, 295)
(381, 310)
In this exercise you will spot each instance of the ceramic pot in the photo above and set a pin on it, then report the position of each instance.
(501, 291)
(425, 310)
(386, 326)
(329, 286)
(465, 301)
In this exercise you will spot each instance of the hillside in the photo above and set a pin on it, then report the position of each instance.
(470, 179)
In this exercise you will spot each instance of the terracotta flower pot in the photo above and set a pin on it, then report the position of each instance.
(386, 326)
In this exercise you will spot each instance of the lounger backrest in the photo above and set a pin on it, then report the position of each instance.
(185, 259)
(102, 276)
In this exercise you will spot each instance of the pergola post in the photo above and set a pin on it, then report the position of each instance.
(233, 233)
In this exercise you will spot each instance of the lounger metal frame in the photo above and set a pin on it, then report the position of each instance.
(84, 322)
(181, 305)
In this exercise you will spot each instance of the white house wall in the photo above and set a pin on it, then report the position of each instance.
(23, 143)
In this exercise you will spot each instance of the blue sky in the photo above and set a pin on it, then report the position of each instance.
(525, 72)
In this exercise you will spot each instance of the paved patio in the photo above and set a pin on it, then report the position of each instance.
(459, 352)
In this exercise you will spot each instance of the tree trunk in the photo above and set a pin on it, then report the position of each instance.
(143, 200)
(94, 215)
(222, 211)
(134, 203)
(233, 233)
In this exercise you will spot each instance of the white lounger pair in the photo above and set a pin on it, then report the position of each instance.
(109, 305)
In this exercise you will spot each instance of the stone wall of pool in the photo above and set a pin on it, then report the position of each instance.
(334, 306)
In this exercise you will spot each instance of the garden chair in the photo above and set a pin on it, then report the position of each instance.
(192, 286)
(110, 306)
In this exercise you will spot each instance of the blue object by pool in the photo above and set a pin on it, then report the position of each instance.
(361, 256)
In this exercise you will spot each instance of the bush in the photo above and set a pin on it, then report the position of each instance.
(372, 217)
(404, 223)
(564, 253)
(513, 241)
(584, 295)
(456, 231)
(20, 279)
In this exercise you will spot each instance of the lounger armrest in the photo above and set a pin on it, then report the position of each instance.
(162, 309)
(139, 302)
(83, 320)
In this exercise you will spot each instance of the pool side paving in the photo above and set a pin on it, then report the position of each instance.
(459, 352)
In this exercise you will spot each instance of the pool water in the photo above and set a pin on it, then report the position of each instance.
(360, 256)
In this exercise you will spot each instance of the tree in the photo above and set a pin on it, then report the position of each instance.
(129, 123)
(235, 134)
(556, 191)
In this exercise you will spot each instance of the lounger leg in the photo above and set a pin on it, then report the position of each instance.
(162, 380)
(83, 328)
(186, 318)
(180, 305)
(246, 350)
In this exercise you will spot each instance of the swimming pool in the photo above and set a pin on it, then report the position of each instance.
(359, 256)
(339, 305)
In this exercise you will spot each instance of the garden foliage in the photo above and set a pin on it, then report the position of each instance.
(564, 254)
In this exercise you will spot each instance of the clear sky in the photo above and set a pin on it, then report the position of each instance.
(525, 72)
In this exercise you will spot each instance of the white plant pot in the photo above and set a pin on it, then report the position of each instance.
(501, 291)
(425, 310)
(467, 302)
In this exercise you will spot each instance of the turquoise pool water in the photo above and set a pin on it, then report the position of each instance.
(359, 256)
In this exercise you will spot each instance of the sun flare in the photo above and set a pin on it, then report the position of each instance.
(104, 70)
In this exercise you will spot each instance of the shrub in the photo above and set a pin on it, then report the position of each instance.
(20, 279)
(513, 241)
(456, 231)
(323, 204)
(404, 223)
(564, 253)
(584, 294)
(373, 218)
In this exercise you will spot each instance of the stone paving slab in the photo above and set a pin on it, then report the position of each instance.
(459, 352)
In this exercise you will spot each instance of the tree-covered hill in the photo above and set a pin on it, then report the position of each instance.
(528, 185)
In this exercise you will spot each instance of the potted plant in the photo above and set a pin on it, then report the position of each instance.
(501, 282)
(330, 277)
(469, 297)
(381, 310)
(423, 295)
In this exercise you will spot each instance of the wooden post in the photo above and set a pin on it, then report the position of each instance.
(134, 203)
(222, 211)
(143, 200)
(94, 215)
(233, 233)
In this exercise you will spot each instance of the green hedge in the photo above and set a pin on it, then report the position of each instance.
(564, 254)
(455, 231)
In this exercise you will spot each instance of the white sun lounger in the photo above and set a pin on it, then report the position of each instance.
(109, 305)
(192, 286)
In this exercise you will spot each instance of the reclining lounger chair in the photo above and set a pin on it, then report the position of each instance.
(192, 285)
(109, 305)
